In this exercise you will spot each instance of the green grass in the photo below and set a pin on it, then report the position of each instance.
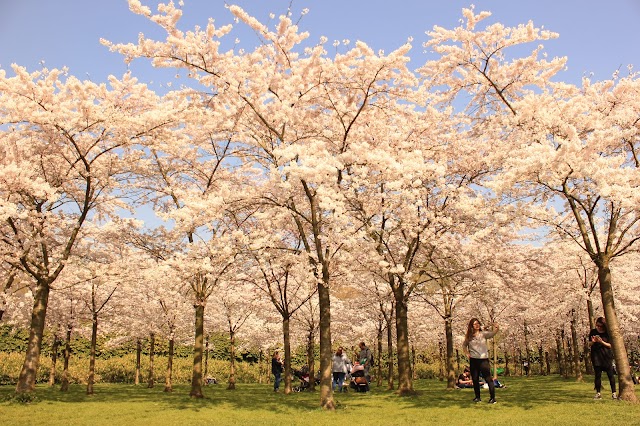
(526, 401)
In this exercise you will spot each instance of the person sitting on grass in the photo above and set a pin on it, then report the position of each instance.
(464, 379)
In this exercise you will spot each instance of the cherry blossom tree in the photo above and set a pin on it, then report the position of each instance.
(571, 149)
(273, 264)
(66, 150)
(295, 113)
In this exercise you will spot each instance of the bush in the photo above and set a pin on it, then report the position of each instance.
(426, 371)
(122, 369)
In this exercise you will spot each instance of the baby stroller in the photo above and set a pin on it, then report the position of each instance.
(359, 382)
(303, 376)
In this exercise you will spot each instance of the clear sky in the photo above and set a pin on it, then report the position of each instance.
(597, 36)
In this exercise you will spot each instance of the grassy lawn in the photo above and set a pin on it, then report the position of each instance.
(526, 401)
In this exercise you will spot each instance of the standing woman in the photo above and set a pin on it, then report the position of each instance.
(602, 357)
(340, 368)
(276, 370)
(475, 346)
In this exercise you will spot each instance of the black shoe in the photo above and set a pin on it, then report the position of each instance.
(476, 400)
(493, 401)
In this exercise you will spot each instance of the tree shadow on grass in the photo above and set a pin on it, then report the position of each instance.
(524, 393)
(245, 397)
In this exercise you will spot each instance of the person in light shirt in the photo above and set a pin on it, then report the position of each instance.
(475, 346)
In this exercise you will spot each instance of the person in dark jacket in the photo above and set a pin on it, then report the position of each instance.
(602, 357)
(276, 369)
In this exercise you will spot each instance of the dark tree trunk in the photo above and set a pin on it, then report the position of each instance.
(451, 374)
(560, 355)
(27, 378)
(286, 333)
(390, 355)
(379, 350)
(405, 375)
(232, 360)
(588, 367)
(92, 354)
(590, 312)
(152, 349)
(548, 362)
(507, 371)
(627, 388)
(198, 349)
(138, 359)
(541, 360)
(64, 383)
(168, 385)
(576, 349)
(206, 357)
(54, 360)
(568, 368)
(311, 359)
(326, 353)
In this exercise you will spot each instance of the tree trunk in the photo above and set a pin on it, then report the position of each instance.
(27, 378)
(520, 363)
(494, 349)
(448, 333)
(405, 382)
(311, 359)
(588, 368)
(54, 360)
(232, 360)
(92, 354)
(548, 362)
(286, 333)
(507, 372)
(326, 353)
(196, 377)
(541, 360)
(560, 355)
(567, 359)
(206, 357)
(389, 355)
(379, 350)
(152, 350)
(413, 362)
(138, 357)
(168, 385)
(64, 383)
(591, 313)
(526, 346)
(627, 390)
(576, 349)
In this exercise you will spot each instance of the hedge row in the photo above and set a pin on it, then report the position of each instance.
(122, 370)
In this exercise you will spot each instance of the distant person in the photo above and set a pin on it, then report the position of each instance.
(475, 346)
(340, 369)
(602, 357)
(464, 379)
(525, 367)
(366, 359)
(276, 369)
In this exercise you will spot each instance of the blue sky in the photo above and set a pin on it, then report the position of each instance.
(597, 36)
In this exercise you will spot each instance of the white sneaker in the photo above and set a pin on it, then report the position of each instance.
(598, 396)
(614, 396)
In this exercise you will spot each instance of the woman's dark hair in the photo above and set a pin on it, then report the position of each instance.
(601, 320)
(469, 335)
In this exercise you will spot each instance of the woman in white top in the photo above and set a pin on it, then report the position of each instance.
(340, 368)
(475, 346)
